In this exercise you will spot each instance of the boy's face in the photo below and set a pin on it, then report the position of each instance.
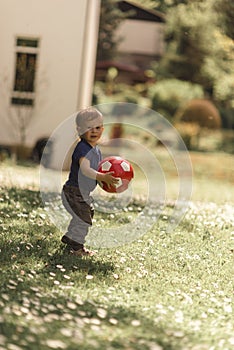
(91, 130)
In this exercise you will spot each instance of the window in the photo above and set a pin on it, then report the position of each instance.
(25, 72)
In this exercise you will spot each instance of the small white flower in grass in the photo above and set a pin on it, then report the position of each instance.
(50, 318)
(102, 313)
(211, 311)
(71, 306)
(178, 334)
(95, 328)
(56, 344)
(179, 317)
(144, 272)
(227, 308)
(195, 325)
(95, 321)
(13, 282)
(66, 277)
(59, 266)
(228, 300)
(135, 323)
(187, 298)
(14, 347)
(79, 301)
(86, 320)
(42, 216)
(153, 346)
(221, 343)
(139, 275)
(113, 321)
(171, 308)
(116, 276)
(89, 277)
(24, 310)
(66, 332)
(10, 286)
(110, 290)
(81, 313)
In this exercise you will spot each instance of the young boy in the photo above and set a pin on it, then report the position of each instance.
(83, 179)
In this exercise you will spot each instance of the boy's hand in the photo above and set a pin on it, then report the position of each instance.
(108, 178)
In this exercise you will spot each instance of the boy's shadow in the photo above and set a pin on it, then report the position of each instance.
(89, 265)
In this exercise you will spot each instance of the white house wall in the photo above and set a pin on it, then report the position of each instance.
(141, 37)
(61, 27)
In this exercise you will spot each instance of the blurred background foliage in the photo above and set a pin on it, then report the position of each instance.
(198, 63)
(110, 19)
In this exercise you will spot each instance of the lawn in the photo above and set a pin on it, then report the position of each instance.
(165, 290)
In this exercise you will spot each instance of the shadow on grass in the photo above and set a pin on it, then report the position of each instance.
(40, 305)
(91, 326)
(34, 291)
(48, 252)
(88, 265)
(28, 198)
(26, 237)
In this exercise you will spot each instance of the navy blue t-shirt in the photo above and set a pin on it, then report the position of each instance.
(76, 178)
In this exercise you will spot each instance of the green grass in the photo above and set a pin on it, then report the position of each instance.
(163, 291)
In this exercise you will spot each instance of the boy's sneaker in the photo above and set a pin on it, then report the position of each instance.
(82, 252)
(72, 244)
(76, 248)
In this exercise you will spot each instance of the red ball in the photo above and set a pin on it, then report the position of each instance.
(121, 169)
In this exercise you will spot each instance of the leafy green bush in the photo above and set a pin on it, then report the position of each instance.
(120, 92)
(167, 95)
(227, 144)
(227, 117)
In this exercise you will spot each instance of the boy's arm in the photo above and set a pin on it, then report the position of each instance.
(108, 178)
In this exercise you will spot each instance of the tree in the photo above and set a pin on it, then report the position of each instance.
(188, 34)
(225, 8)
(198, 51)
(165, 5)
(110, 19)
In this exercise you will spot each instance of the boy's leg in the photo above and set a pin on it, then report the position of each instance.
(82, 214)
(77, 229)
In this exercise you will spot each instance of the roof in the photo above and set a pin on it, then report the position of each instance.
(129, 71)
(119, 65)
(140, 12)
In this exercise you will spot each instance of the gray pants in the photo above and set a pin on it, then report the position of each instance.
(81, 209)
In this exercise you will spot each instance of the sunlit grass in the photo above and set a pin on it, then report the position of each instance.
(166, 290)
